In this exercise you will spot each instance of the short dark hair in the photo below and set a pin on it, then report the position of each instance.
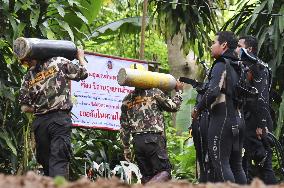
(229, 37)
(250, 41)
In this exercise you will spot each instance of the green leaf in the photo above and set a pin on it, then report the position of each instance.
(174, 4)
(43, 30)
(256, 12)
(47, 32)
(89, 10)
(8, 94)
(183, 119)
(276, 34)
(270, 5)
(13, 24)
(71, 2)
(262, 38)
(195, 49)
(50, 34)
(17, 6)
(27, 5)
(280, 52)
(128, 25)
(34, 17)
(66, 27)
(88, 5)
(103, 153)
(5, 136)
(83, 18)
(82, 33)
(281, 19)
(60, 10)
(21, 27)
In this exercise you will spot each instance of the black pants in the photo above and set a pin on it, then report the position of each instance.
(227, 163)
(265, 172)
(200, 139)
(53, 142)
(151, 154)
(256, 150)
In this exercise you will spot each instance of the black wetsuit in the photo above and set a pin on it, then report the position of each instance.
(200, 139)
(257, 115)
(225, 149)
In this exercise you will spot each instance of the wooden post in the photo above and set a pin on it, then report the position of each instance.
(143, 28)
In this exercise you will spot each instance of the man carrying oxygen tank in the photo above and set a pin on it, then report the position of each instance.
(45, 92)
(142, 117)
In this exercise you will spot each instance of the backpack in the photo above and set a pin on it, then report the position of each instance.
(238, 86)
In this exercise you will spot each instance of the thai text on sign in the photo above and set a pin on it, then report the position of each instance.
(97, 100)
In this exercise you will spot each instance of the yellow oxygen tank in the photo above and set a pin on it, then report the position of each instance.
(145, 79)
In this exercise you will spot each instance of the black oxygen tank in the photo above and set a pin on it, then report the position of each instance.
(41, 49)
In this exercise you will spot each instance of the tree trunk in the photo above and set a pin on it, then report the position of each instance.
(182, 66)
(143, 27)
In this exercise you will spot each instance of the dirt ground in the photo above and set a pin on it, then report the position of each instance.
(30, 180)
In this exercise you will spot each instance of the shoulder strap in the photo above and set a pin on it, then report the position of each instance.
(229, 84)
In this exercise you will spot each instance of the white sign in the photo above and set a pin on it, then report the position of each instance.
(97, 100)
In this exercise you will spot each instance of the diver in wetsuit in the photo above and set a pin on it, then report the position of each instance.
(257, 117)
(226, 125)
(199, 128)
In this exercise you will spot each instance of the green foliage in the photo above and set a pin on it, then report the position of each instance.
(90, 145)
(48, 19)
(70, 19)
(121, 37)
(267, 28)
(30, 18)
(127, 45)
(156, 49)
(182, 155)
(277, 169)
(10, 115)
(280, 122)
(131, 25)
(182, 118)
(195, 20)
(264, 20)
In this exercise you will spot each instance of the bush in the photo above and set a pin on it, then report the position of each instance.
(182, 155)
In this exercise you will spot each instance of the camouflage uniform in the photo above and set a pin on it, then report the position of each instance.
(46, 88)
(141, 116)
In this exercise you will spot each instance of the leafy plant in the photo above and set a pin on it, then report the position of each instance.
(194, 20)
(182, 155)
(30, 18)
(264, 20)
(93, 146)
